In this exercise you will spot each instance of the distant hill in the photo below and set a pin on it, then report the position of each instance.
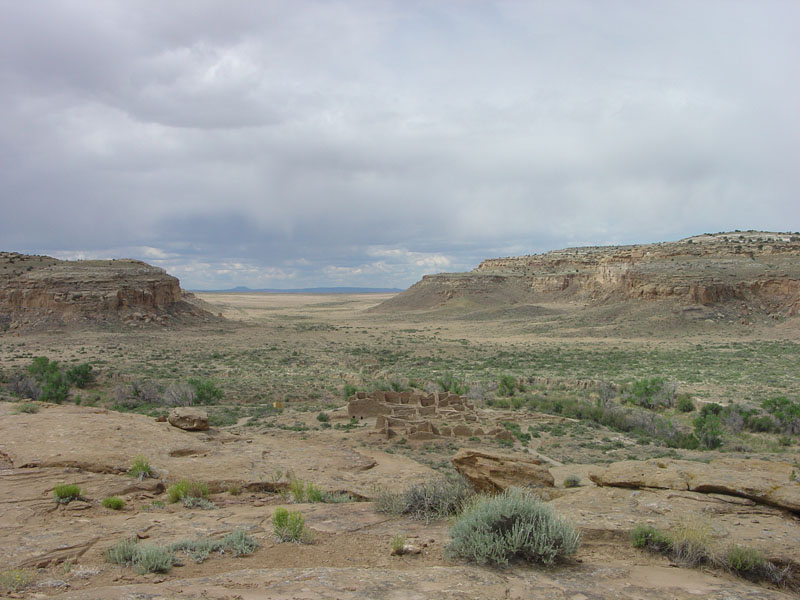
(316, 290)
(756, 270)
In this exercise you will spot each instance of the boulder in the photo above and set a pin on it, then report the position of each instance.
(188, 418)
(765, 482)
(493, 472)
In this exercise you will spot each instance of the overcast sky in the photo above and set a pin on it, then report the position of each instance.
(366, 143)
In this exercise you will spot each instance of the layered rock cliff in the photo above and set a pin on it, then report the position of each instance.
(761, 268)
(37, 290)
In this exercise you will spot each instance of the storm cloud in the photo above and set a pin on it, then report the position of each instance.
(365, 143)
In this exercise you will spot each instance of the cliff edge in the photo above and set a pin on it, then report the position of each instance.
(755, 267)
(44, 291)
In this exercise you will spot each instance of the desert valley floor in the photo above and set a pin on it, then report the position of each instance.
(283, 364)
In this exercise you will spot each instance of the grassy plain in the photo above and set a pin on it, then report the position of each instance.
(304, 350)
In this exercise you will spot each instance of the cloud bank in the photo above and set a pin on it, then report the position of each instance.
(313, 143)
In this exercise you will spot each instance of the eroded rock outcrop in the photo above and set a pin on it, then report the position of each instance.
(188, 418)
(765, 482)
(759, 269)
(492, 472)
(40, 290)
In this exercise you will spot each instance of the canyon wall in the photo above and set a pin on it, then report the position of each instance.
(754, 267)
(40, 290)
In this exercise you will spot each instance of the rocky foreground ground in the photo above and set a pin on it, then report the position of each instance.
(754, 503)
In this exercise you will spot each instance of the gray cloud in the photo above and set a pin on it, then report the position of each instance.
(368, 142)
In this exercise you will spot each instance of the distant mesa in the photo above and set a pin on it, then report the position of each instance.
(41, 291)
(761, 270)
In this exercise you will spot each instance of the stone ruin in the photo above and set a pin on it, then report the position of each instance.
(419, 416)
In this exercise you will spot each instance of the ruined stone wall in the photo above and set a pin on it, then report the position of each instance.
(419, 416)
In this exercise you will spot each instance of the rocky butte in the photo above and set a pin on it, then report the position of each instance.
(760, 269)
(42, 291)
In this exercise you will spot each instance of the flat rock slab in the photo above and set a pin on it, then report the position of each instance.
(493, 472)
(765, 482)
(611, 513)
(454, 582)
(102, 441)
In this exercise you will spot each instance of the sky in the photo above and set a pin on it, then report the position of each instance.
(299, 143)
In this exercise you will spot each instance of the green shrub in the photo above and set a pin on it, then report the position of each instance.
(313, 493)
(508, 386)
(187, 489)
(27, 407)
(323, 417)
(290, 527)
(512, 525)
(685, 403)
(688, 544)
(80, 376)
(141, 468)
(427, 501)
(113, 502)
(653, 393)
(449, 383)
(52, 383)
(571, 481)
(66, 493)
(397, 543)
(516, 431)
(786, 411)
(708, 430)
(745, 560)
(650, 538)
(348, 390)
(206, 391)
(298, 489)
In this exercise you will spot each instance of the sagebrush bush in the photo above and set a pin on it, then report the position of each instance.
(238, 543)
(512, 525)
(427, 501)
(571, 481)
(143, 558)
(123, 552)
(195, 502)
(153, 559)
(113, 502)
(66, 492)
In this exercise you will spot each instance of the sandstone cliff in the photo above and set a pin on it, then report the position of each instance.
(760, 268)
(40, 290)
